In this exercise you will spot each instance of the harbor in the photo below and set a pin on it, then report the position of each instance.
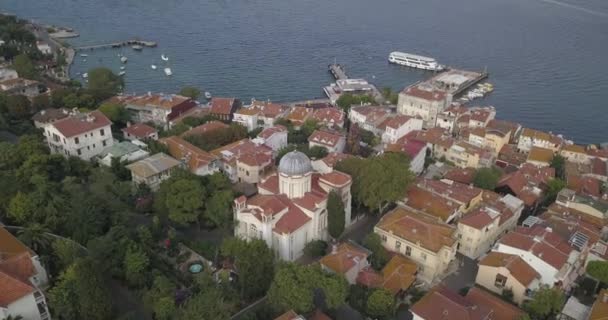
(344, 84)
(119, 44)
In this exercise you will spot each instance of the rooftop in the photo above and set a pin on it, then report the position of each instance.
(139, 130)
(204, 128)
(120, 149)
(268, 132)
(518, 268)
(50, 115)
(221, 105)
(193, 156)
(345, 257)
(425, 91)
(539, 154)
(326, 138)
(599, 310)
(164, 101)
(81, 123)
(152, 165)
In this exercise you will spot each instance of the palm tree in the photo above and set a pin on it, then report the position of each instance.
(35, 236)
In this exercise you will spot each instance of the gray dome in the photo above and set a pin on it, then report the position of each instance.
(295, 163)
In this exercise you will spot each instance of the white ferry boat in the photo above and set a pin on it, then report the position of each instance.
(414, 61)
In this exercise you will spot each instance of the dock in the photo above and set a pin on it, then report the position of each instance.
(482, 76)
(456, 81)
(338, 71)
(149, 44)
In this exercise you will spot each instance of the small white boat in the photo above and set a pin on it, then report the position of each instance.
(122, 73)
(168, 71)
(123, 68)
(153, 67)
(207, 95)
(164, 57)
(84, 55)
(84, 60)
(137, 47)
(123, 59)
(85, 75)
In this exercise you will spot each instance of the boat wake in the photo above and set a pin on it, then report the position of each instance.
(575, 7)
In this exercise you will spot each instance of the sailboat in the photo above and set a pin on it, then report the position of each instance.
(164, 57)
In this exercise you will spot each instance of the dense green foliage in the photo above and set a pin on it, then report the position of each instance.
(554, 186)
(217, 138)
(190, 92)
(390, 95)
(347, 100)
(294, 285)
(116, 113)
(379, 256)
(25, 67)
(598, 270)
(335, 215)
(559, 163)
(379, 180)
(315, 248)
(487, 178)
(380, 304)
(546, 303)
(103, 83)
(254, 260)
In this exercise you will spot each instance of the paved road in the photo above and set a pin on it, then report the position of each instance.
(464, 276)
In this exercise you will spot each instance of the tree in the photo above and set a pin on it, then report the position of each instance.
(184, 202)
(559, 163)
(103, 83)
(317, 152)
(382, 180)
(315, 248)
(160, 298)
(347, 100)
(190, 92)
(24, 66)
(35, 236)
(389, 95)
(487, 178)
(135, 264)
(379, 256)
(41, 102)
(380, 304)
(546, 303)
(218, 211)
(335, 215)
(206, 305)
(554, 186)
(598, 270)
(255, 262)
(115, 112)
(67, 252)
(294, 286)
(18, 106)
(352, 141)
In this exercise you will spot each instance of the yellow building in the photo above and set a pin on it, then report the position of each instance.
(431, 244)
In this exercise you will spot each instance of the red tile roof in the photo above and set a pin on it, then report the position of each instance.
(181, 149)
(222, 105)
(435, 136)
(431, 204)
(528, 182)
(335, 178)
(346, 256)
(426, 93)
(299, 114)
(153, 100)
(326, 138)
(81, 123)
(544, 244)
(394, 122)
(518, 268)
(333, 116)
(12, 289)
(411, 148)
(139, 130)
(585, 185)
(461, 175)
(15, 269)
(269, 109)
(204, 128)
(456, 191)
(268, 132)
(333, 158)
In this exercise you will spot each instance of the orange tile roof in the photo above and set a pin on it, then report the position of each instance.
(429, 203)
(539, 154)
(599, 310)
(333, 158)
(257, 159)
(181, 149)
(204, 128)
(268, 132)
(346, 256)
(335, 178)
(501, 310)
(584, 185)
(81, 123)
(154, 100)
(398, 274)
(425, 93)
(12, 289)
(547, 246)
(461, 175)
(518, 268)
(15, 268)
(269, 109)
(418, 228)
(139, 130)
(299, 114)
(460, 192)
(394, 122)
(222, 105)
(329, 116)
(289, 315)
(574, 148)
(435, 136)
(319, 315)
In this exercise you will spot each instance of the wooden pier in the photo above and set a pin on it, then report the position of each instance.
(337, 70)
(149, 44)
(467, 85)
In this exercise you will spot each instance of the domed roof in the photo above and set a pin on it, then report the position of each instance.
(295, 163)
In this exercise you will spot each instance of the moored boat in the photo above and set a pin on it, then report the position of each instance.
(153, 67)
(168, 71)
(207, 95)
(123, 59)
(415, 61)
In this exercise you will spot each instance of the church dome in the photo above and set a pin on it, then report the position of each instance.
(295, 163)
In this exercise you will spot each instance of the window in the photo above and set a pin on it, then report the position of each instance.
(104, 143)
(76, 140)
(101, 132)
(408, 251)
(397, 245)
(79, 152)
(383, 237)
(500, 280)
(423, 256)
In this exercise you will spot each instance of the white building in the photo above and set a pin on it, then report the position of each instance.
(83, 135)
(21, 277)
(44, 48)
(425, 101)
(8, 74)
(259, 114)
(330, 140)
(274, 137)
(396, 127)
(290, 209)
(533, 138)
(416, 152)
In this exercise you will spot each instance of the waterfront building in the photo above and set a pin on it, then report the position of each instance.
(152, 171)
(260, 114)
(575, 153)
(448, 118)
(224, 108)
(82, 135)
(540, 157)
(332, 141)
(533, 138)
(44, 48)
(198, 161)
(369, 117)
(425, 101)
(139, 131)
(160, 109)
(298, 115)
(329, 117)
(430, 243)
(22, 279)
(290, 208)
